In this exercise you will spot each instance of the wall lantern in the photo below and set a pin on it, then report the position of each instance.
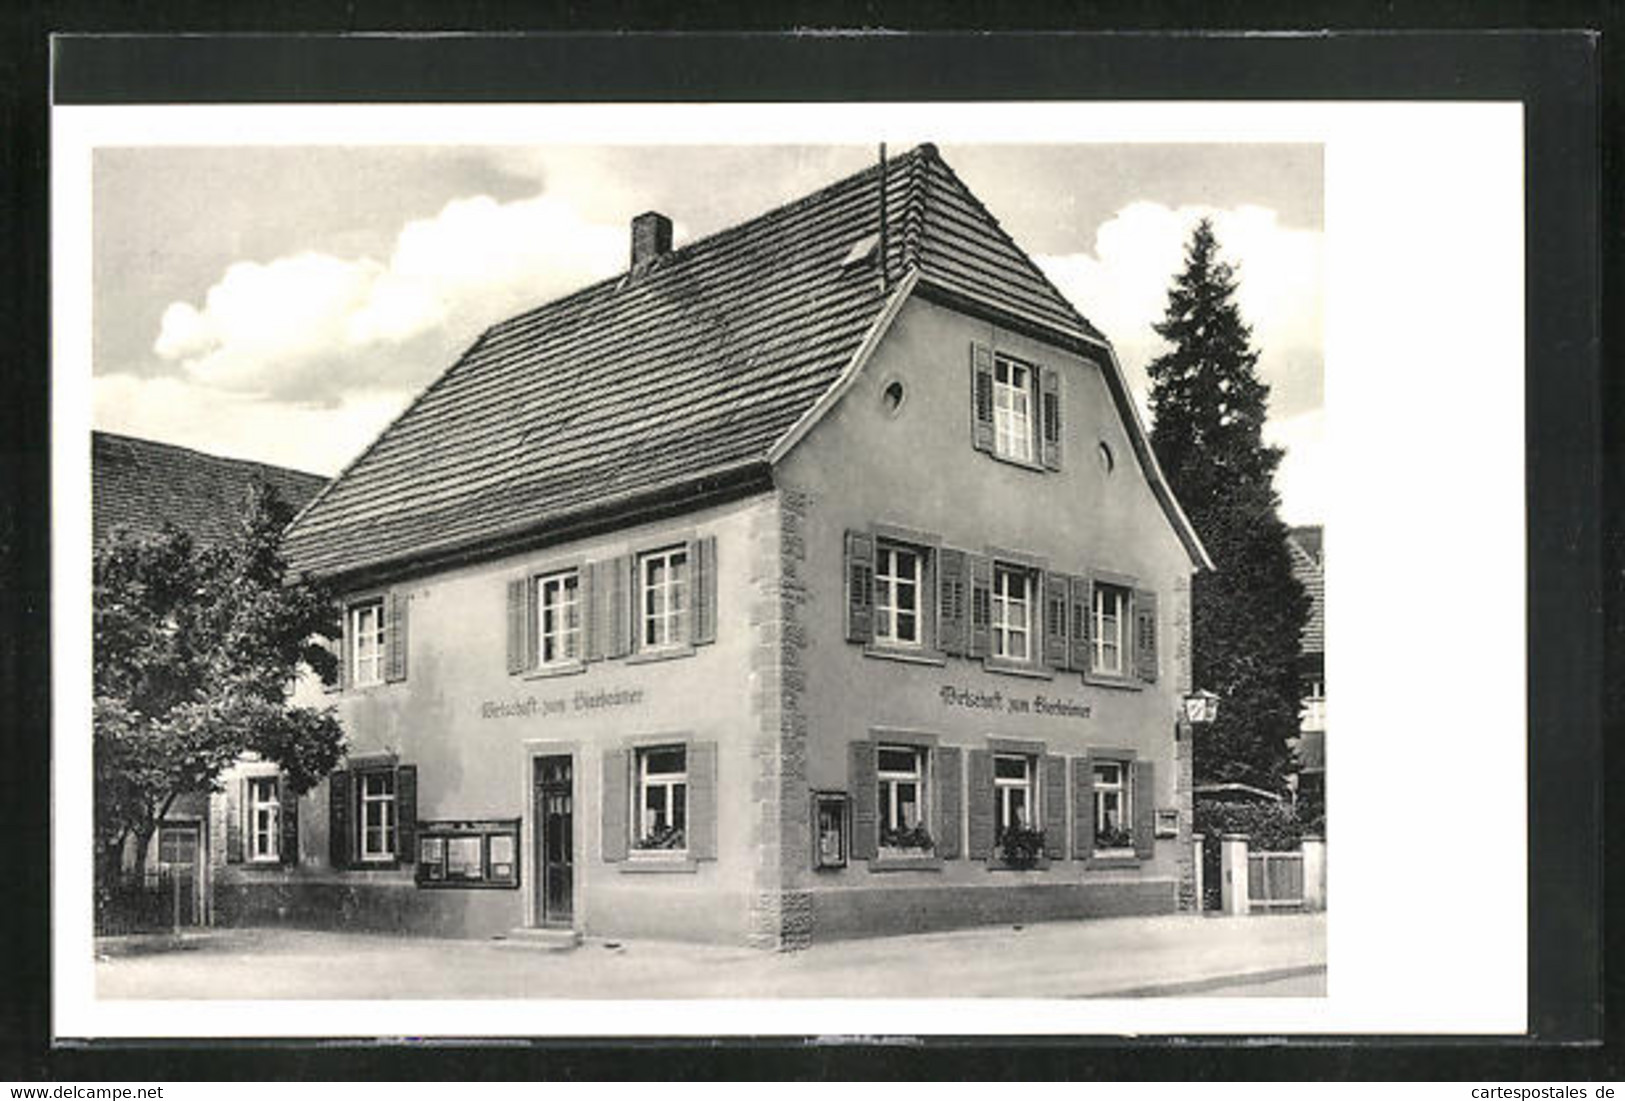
(1201, 707)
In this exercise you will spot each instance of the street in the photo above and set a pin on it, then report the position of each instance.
(1179, 955)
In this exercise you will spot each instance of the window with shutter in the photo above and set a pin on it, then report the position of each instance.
(1057, 652)
(981, 606)
(1053, 805)
(614, 820)
(664, 598)
(366, 632)
(861, 783)
(1083, 814)
(980, 804)
(1113, 807)
(263, 814)
(703, 552)
(1013, 397)
(1109, 630)
(948, 811)
(559, 619)
(702, 810)
(1144, 804)
(1081, 649)
(395, 638)
(517, 604)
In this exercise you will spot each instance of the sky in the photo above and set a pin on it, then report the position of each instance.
(284, 303)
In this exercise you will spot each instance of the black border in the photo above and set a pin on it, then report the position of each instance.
(1558, 78)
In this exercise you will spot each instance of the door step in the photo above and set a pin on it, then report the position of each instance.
(541, 940)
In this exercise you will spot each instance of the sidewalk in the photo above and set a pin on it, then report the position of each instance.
(1139, 957)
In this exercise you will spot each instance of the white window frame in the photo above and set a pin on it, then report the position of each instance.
(264, 845)
(1004, 602)
(367, 643)
(1013, 409)
(890, 582)
(888, 803)
(1004, 789)
(664, 608)
(1098, 636)
(389, 821)
(1123, 789)
(675, 789)
(565, 637)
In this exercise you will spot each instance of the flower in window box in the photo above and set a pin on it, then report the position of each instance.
(662, 837)
(1113, 837)
(1021, 846)
(916, 838)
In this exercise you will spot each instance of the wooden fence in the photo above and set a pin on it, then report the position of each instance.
(1275, 880)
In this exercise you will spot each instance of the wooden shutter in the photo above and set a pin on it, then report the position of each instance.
(288, 821)
(861, 781)
(592, 642)
(619, 603)
(338, 819)
(1049, 405)
(234, 821)
(979, 804)
(516, 625)
(1143, 793)
(980, 638)
(1083, 808)
(1145, 635)
(702, 553)
(614, 823)
(702, 801)
(406, 814)
(946, 765)
(981, 397)
(1052, 775)
(1081, 612)
(345, 642)
(396, 606)
(860, 586)
(951, 585)
(1056, 652)
(533, 623)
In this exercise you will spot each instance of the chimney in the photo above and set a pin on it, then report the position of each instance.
(651, 237)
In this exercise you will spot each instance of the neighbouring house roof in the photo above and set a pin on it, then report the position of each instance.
(1311, 751)
(685, 372)
(1308, 566)
(141, 484)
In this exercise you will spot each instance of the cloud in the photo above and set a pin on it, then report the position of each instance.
(319, 329)
(1122, 286)
(317, 440)
(1301, 478)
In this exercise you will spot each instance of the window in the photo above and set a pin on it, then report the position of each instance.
(1110, 613)
(663, 583)
(899, 579)
(662, 799)
(264, 818)
(1012, 793)
(558, 610)
(900, 771)
(1012, 613)
(829, 830)
(1012, 410)
(378, 815)
(1112, 807)
(367, 647)
(468, 854)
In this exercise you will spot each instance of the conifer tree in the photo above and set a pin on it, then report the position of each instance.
(1209, 408)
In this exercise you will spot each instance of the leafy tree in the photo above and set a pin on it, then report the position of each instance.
(196, 649)
(1209, 407)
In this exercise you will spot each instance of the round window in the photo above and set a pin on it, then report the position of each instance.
(1106, 459)
(891, 398)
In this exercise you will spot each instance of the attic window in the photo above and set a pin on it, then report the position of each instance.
(1107, 461)
(891, 398)
(862, 249)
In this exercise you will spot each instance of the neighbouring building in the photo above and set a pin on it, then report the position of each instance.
(812, 580)
(1309, 567)
(138, 487)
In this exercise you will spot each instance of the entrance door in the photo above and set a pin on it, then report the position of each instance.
(177, 874)
(555, 841)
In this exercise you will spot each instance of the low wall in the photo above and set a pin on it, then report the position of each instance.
(892, 911)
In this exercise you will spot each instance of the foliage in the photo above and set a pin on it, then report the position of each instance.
(1114, 837)
(195, 651)
(917, 837)
(1021, 846)
(1248, 613)
(1269, 826)
(662, 837)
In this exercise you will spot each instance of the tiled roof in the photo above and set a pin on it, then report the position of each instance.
(142, 484)
(1308, 566)
(648, 382)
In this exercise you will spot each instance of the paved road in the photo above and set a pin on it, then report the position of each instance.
(1143, 956)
